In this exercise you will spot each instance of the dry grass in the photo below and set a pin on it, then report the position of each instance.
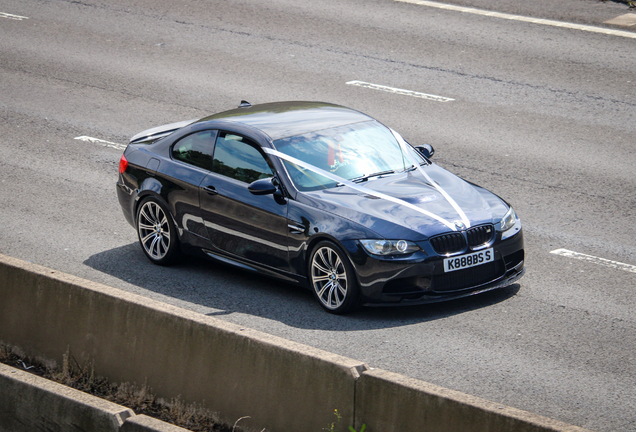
(630, 3)
(139, 398)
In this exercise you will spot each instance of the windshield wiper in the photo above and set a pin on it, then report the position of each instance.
(413, 167)
(363, 178)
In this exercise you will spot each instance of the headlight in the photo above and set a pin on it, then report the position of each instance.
(389, 247)
(508, 220)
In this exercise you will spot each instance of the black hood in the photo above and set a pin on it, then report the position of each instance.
(395, 220)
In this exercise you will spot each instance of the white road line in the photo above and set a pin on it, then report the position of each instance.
(400, 91)
(522, 18)
(102, 142)
(596, 260)
(13, 17)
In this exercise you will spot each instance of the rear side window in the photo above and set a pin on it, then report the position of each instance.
(237, 157)
(195, 149)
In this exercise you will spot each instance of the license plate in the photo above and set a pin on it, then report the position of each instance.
(469, 260)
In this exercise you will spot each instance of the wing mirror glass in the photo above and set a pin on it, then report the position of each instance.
(426, 150)
(264, 186)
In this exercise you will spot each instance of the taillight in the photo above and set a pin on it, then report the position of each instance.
(123, 164)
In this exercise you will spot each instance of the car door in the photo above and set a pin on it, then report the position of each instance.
(240, 224)
(192, 156)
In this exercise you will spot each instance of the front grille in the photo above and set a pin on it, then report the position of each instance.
(456, 242)
(449, 243)
(480, 235)
(470, 277)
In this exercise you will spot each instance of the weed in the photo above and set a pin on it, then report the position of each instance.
(236, 422)
(332, 426)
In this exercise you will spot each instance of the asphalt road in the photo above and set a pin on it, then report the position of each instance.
(542, 115)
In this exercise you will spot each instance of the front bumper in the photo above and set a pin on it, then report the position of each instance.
(421, 279)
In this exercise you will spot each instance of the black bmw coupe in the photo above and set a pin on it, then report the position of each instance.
(322, 196)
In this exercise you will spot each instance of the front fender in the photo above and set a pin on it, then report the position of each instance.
(309, 225)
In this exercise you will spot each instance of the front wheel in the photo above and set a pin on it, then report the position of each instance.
(157, 234)
(332, 279)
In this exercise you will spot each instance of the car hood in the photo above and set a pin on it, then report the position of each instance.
(392, 219)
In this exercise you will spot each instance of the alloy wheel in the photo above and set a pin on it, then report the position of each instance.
(329, 277)
(154, 230)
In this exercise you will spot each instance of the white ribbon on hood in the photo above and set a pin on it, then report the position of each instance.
(451, 201)
(373, 193)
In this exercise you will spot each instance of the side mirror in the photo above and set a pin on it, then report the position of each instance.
(264, 186)
(426, 150)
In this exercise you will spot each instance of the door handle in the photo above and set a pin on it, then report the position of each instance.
(296, 228)
(210, 190)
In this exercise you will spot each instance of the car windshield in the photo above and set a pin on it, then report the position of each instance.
(355, 152)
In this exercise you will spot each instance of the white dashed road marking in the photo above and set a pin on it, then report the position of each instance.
(400, 91)
(13, 17)
(522, 18)
(102, 142)
(596, 260)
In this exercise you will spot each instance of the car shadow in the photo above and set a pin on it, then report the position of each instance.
(228, 290)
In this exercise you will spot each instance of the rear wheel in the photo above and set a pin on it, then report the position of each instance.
(157, 234)
(332, 279)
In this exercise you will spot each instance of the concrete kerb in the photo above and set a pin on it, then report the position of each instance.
(29, 402)
(142, 423)
(281, 385)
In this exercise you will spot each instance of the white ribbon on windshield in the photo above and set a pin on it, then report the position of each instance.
(403, 146)
(359, 188)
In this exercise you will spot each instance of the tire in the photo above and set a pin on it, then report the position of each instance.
(156, 232)
(332, 279)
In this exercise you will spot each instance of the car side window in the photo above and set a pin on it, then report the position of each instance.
(237, 157)
(195, 149)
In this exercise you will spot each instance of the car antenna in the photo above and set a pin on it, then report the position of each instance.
(245, 104)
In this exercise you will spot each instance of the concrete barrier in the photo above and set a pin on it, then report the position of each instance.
(283, 386)
(390, 402)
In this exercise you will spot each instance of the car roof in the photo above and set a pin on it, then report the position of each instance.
(285, 119)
